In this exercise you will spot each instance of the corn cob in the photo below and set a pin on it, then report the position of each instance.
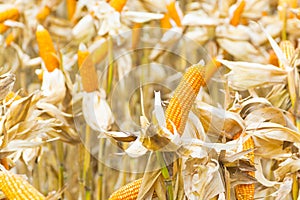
(43, 13)
(118, 4)
(11, 13)
(16, 188)
(273, 58)
(184, 97)
(127, 192)
(3, 28)
(12, 16)
(235, 20)
(177, 112)
(12, 95)
(165, 22)
(246, 191)
(71, 7)
(173, 12)
(9, 38)
(87, 70)
(46, 47)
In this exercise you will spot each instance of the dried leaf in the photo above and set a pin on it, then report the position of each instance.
(245, 75)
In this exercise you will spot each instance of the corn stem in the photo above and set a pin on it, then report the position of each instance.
(166, 175)
(86, 162)
(61, 168)
(110, 65)
(100, 169)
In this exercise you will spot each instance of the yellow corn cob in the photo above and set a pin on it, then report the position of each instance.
(11, 13)
(46, 47)
(127, 192)
(43, 13)
(235, 20)
(12, 95)
(246, 191)
(173, 12)
(87, 70)
(9, 39)
(177, 112)
(71, 7)
(117, 4)
(16, 188)
(165, 22)
(184, 96)
(3, 28)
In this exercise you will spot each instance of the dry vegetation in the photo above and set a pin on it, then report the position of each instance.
(169, 99)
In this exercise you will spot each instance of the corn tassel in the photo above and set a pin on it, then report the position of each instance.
(43, 13)
(246, 191)
(46, 47)
(87, 70)
(16, 188)
(236, 17)
(12, 13)
(118, 4)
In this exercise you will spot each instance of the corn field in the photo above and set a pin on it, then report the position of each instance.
(150, 99)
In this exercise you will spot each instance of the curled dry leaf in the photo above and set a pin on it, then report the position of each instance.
(218, 121)
(53, 86)
(96, 111)
(246, 75)
(142, 17)
(290, 165)
(242, 50)
(202, 180)
(6, 84)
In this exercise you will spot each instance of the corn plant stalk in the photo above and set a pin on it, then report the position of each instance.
(81, 151)
(100, 169)
(86, 162)
(165, 174)
(110, 65)
(61, 168)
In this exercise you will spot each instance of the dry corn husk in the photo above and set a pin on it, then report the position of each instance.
(53, 86)
(199, 180)
(96, 110)
(246, 75)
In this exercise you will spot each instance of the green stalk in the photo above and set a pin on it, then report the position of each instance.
(81, 151)
(283, 32)
(86, 162)
(295, 187)
(60, 155)
(100, 169)
(110, 65)
(166, 175)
